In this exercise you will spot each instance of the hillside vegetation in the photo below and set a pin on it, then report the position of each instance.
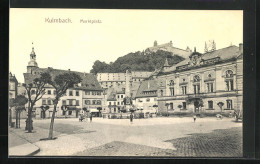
(137, 61)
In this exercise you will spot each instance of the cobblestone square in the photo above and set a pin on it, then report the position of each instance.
(171, 137)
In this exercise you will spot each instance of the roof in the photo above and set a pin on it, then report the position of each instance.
(223, 55)
(89, 81)
(146, 86)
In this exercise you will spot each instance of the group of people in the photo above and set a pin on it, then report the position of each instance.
(84, 117)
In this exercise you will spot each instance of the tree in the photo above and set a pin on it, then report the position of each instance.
(18, 104)
(38, 84)
(61, 83)
(220, 104)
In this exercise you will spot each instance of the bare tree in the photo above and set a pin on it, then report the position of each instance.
(35, 90)
(61, 83)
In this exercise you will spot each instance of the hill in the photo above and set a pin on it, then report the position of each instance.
(138, 61)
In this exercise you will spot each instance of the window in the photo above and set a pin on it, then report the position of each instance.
(122, 103)
(230, 85)
(196, 78)
(171, 83)
(229, 80)
(49, 102)
(70, 102)
(118, 96)
(93, 93)
(70, 112)
(43, 102)
(229, 104)
(63, 102)
(147, 100)
(109, 103)
(98, 102)
(161, 92)
(32, 92)
(171, 106)
(210, 104)
(172, 91)
(209, 76)
(49, 92)
(121, 96)
(114, 110)
(87, 102)
(184, 105)
(98, 93)
(77, 102)
(77, 93)
(70, 93)
(229, 73)
(184, 90)
(118, 103)
(196, 89)
(210, 87)
(87, 92)
(94, 102)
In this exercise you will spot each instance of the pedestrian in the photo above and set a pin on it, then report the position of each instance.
(194, 117)
(90, 117)
(230, 114)
(131, 117)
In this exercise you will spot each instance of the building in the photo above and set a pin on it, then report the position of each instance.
(146, 97)
(108, 80)
(169, 47)
(85, 95)
(201, 81)
(13, 85)
(115, 100)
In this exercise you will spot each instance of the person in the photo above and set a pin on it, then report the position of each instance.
(131, 117)
(230, 114)
(90, 117)
(194, 117)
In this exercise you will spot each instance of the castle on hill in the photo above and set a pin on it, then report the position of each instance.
(169, 47)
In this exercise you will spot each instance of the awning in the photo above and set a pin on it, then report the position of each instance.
(93, 110)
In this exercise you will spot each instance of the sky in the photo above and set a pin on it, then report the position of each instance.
(76, 46)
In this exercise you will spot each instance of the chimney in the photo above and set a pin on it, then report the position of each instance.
(194, 49)
(241, 47)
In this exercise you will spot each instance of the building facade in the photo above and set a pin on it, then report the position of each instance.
(199, 83)
(86, 95)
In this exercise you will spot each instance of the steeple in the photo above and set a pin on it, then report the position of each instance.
(32, 64)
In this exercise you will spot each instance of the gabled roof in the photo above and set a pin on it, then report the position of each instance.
(89, 81)
(223, 55)
(148, 86)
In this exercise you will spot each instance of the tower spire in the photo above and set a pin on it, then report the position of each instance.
(206, 48)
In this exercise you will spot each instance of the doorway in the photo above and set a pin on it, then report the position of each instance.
(196, 107)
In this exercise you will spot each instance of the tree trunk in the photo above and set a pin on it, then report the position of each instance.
(16, 119)
(30, 119)
(52, 122)
(19, 118)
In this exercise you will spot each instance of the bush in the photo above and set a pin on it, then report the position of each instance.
(113, 117)
(139, 115)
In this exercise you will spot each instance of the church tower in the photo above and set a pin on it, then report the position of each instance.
(32, 64)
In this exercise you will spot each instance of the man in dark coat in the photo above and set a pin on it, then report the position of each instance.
(90, 117)
(131, 117)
